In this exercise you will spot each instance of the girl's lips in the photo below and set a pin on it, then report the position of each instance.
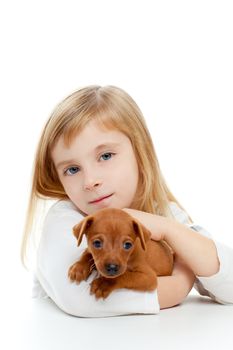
(100, 199)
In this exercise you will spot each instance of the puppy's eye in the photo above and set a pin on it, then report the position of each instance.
(97, 244)
(127, 245)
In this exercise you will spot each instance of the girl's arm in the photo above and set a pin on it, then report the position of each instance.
(210, 261)
(172, 290)
(198, 252)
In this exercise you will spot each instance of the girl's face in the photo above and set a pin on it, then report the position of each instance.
(98, 170)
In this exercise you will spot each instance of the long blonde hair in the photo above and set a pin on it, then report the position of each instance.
(113, 108)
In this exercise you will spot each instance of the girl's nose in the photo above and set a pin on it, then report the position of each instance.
(91, 184)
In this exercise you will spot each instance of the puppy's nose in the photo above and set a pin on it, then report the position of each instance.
(112, 269)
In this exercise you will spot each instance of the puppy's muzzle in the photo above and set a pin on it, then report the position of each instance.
(112, 269)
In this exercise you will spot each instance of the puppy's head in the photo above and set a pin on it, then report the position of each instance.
(112, 236)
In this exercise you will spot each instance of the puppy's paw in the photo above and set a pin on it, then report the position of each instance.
(102, 287)
(78, 272)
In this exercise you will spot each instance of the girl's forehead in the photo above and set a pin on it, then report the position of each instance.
(94, 132)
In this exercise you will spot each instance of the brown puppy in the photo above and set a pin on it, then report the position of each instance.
(121, 250)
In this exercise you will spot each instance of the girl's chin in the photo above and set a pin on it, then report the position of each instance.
(109, 202)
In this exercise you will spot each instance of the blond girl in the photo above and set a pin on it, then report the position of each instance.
(95, 152)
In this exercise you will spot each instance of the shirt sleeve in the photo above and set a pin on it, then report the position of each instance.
(219, 286)
(58, 251)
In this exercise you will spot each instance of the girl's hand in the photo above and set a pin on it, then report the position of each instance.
(172, 290)
(154, 223)
(197, 251)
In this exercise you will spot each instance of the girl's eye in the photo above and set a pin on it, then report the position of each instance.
(97, 244)
(127, 245)
(72, 170)
(107, 156)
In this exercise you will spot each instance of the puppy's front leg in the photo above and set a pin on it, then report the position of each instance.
(102, 287)
(81, 270)
(145, 280)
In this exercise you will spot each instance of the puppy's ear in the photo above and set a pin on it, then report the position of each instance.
(142, 232)
(81, 228)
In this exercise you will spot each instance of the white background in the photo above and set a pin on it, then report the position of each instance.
(173, 57)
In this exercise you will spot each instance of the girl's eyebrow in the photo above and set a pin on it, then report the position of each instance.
(96, 149)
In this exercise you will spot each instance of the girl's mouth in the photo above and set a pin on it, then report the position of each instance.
(100, 199)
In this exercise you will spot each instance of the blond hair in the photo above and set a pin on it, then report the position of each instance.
(113, 108)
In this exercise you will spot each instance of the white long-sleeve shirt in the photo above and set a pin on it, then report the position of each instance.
(58, 251)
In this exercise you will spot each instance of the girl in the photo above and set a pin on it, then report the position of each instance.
(95, 151)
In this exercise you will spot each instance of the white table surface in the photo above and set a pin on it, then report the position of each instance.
(197, 323)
